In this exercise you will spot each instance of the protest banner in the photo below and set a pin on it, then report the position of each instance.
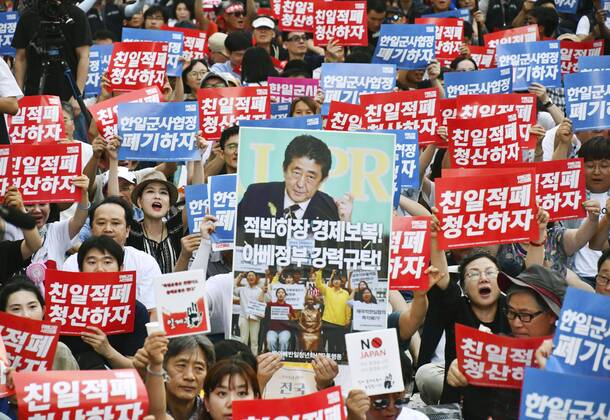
(322, 405)
(409, 253)
(593, 63)
(286, 89)
(369, 316)
(8, 24)
(342, 22)
(550, 395)
(582, 338)
(43, 173)
(406, 161)
(5, 390)
(173, 39)
(181, 306)
(409, 47)
(463, 14)
(195, 42)
(404, 110)
(223, 204)
(158, 132)
(197, 203)
(532, 62)
(107, 394)
(368, 278)
(105, 113)
(524, 105)
(294, 16)
(220, 108)
(137, 65)
(447, 110)
(344, 117)
(104, 300)
(498, 80)
(279, 111)
(567, 6)
(484, 141)
(346, 82)
(271, 234)
(486, 207)
(587, 97)
(493, 360)
(483, 56)
(39, 120)
(99, 59)
(28, 345)
(374, 361)
(295, 294)
(292, 380)
(449, 37)
(572, 51)
(518, 35)
(312, 122)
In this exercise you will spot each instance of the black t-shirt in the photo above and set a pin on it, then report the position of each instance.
(77, 34)
(111, 19)
(11, 260)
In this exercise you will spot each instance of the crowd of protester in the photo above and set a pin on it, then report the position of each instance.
(131, 217)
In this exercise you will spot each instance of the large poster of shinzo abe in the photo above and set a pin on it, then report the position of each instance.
(312, 238)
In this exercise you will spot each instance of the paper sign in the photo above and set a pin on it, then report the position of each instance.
(493, 360)
(369, 316)
(374, 361)
(406, 162)
(137, 65)
(449, 37)
(220, 108)
(181, 306)
(107, 394)
(498, 80)
(518, 35)
(223, 205)
(279, 111)
(104, 300)
(43, 173)
(483, 56)
(292, 380)
(532, 62)
(105, 112)
(8, 24)
(256, 308)
(195, 42)
(587, 97)
(280, 313)
(173, 39)
(572, 51)
(286, 89)
(99, 59)
(39, 120)
(294, 16)
(582, 337)
(409, 47)
(447, 110)
(343, 22)
(567, 6)
(295, 294)
(313, 122)
(463, 14)
(409, 253)
(158, 132)
(344, 117)
(586, 63)
(197, 203)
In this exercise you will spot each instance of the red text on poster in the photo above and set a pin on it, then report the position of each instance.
(570, 51)
(136, 65)
(343, 117)
(449, 37)
(294, 15)
(409, 253)
(39, 120)
(342, 21)
(104, 300)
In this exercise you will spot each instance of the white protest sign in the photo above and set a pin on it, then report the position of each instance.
(256, 308)
(369, 316)
(295, 294)
(280, 313)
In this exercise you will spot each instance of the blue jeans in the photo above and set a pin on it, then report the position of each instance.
(274, 336)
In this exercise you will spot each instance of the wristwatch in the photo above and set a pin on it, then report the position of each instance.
(547, 104)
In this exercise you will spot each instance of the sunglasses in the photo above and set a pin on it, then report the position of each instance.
(237, 14)
(297, 38)
(383, 403)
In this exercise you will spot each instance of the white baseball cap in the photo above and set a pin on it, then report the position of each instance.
(263, 22)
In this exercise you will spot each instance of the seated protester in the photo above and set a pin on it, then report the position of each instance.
(602, 280)
(175, 370)
(225, 152)
(304, 105)
(385, 406)
(236, 43)
(101, 254)
(533, 304)
(113, 218)
(278, 330)
(21, 297)
(15, 254)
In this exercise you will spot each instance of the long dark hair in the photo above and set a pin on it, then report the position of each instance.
(16, 284)
(257, 66)
(187, 70)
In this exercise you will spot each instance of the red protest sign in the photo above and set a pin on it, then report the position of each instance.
(5, 391)
(220, 108)
(524, 105)
(405, 110)
(560, 187)
(483, 56)
(29, 344)
(486, 207)
(194, 44)
(104, 300)
(343, 117)
(511, 36)
(42, 172)
(409, 253)
(105, 112)
(493, 360)
(447, 110)
(325, 404)
(136, 65)
(107, 394)
(570, 51)
(449, 37)
(39, 120)
(342, 21)
(285, 89)
(293, 16)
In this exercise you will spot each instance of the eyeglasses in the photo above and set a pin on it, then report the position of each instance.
(215, 85)
(231, 147)
(194, 73)
(523, 316)
(601, 165)
(490, 273)
(154, 17)
(298, 38)
(237, 14)
(383, 403)
(601, 280)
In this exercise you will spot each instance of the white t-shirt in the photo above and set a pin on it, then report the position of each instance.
(56, 243)
(8, 84)
(86, 153)
(145, 266)
(548, 144)
(585, 260)
(219, 297)
(410, 414)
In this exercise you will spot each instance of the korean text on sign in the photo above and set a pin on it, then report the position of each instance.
(104, 300)
(197, 203)
(512, 36)
(406, 162)
(173, 39)
(498, 80)
(285, 89)
(409, 253)
(449, 37)
(343, 22)
(588, 99)
(39, 120)
(294, 15)
(43, 173)
(532, 62)
(409, 47)
(572, 51)
(8, 24)
(492, 360)
(194, 43)
(99, 58)
(344, 117)
(136, 65)
(223, 205)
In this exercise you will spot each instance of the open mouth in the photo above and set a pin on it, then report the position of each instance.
(157, 206)
(485, 291)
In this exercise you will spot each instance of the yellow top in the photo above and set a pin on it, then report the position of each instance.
(336, 309)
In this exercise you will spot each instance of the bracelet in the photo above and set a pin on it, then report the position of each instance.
(546, 105)
(532, 243)
(153, 373)
(84, 208)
